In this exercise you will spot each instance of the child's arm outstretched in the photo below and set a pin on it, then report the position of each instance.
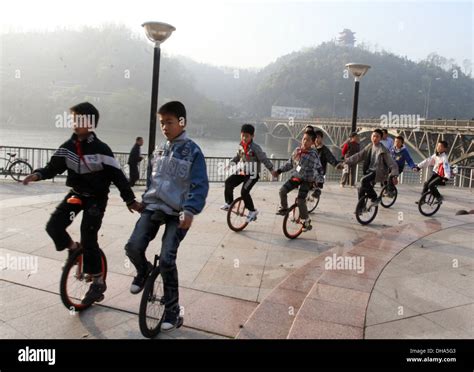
(116, 175)
(357, 158)
(262, 157)
(409, 160)
(55, 166)
(287, 166)
(430, 161)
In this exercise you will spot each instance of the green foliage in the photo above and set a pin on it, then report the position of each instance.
(315, 78)
(109, 66)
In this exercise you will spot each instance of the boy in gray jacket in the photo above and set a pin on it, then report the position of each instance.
(378, 164)
(307, 169)
(248, 160)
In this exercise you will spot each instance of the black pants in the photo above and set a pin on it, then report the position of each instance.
(390, 185)
(134, 174)
(367, 186)
(303, 190)
(144, 232)
(235, 180)
(93, 210)
(432, 184)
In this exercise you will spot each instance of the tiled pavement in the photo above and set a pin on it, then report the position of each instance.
(258, 284)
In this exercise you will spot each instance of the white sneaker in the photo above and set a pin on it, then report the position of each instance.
(225, 207)
(252, 216)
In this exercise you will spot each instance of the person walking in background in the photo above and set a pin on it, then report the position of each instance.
(133, 160)
(350, 148)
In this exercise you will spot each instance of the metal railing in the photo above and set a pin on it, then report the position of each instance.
(38, 157)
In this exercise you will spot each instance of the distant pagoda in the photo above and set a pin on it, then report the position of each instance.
(346, 38)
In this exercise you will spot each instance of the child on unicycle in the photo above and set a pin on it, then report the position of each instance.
(177, 187)
(307, 169)
(248, 161)
(441, 170)
(91, 168)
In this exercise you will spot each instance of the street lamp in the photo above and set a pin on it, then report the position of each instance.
(358, 70)
(156, 32)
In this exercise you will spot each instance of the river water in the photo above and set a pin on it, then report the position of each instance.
(119, 141)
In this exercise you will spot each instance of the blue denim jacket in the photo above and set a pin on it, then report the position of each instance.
(177, 178)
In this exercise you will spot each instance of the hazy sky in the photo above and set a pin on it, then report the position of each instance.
(255, 33)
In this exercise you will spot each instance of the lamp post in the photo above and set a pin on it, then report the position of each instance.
(358, 70)
(156, 32)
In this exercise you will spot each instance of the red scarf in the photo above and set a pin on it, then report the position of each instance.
(246, 147)
(80, 153)
(300, 152)
(79, 149)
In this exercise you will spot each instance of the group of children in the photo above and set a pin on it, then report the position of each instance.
(177, 186)
(383, 160)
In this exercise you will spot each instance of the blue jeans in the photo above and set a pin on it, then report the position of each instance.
(145, 231)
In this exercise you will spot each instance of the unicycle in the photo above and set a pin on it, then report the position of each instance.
(75, 282)
(237, 215)
(292, 222)
(428, 204)
(312, 200)
(152, 304)
(387, 196)
(365, 215)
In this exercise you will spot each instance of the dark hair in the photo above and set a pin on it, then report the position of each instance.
(308, 127)
(319, 133)
(378, 131)
(247, 128)
(444, 143)
(400, 138)
(384, 131)
(353, 134)
(175, 108)
(88, 109)
(138, 138)
(310, 133)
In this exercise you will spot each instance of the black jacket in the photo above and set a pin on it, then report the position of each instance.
(326, 156)
(91, 168)
(135, 157)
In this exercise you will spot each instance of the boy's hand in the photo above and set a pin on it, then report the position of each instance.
(30, 178)
(340, 165)
(136, 206)
(395, 180)
(185, 221)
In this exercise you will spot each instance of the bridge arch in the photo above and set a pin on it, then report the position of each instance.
(279, 126)
(316, 127)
